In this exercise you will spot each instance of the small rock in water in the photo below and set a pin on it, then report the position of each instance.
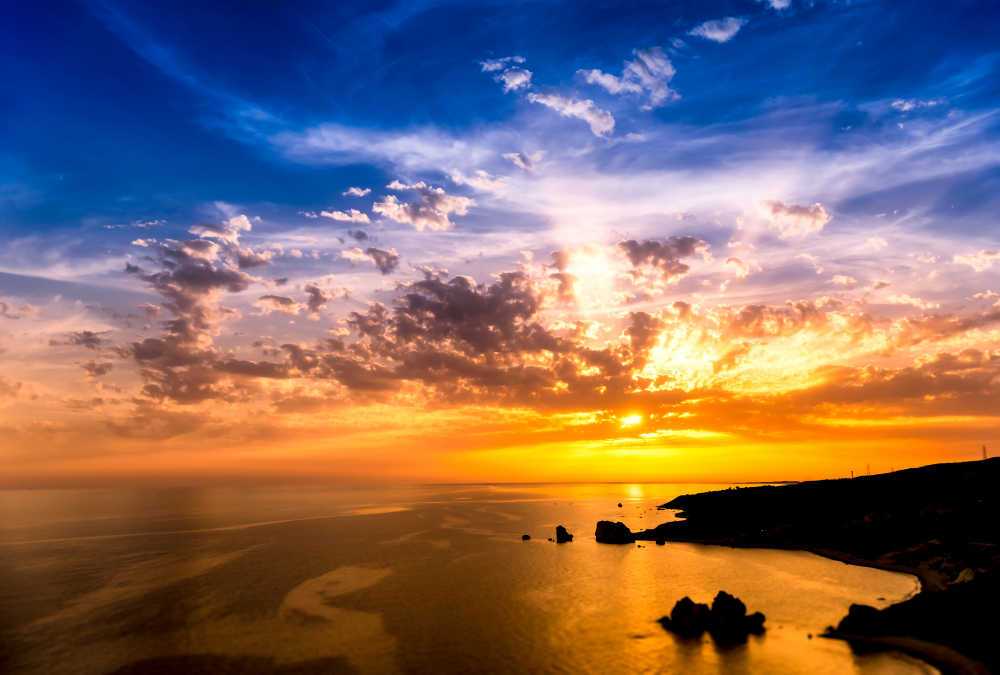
(613, 533)
(619, 504)
(562, 535)
(525, 537)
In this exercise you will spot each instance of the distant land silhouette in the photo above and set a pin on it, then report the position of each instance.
(939, 522)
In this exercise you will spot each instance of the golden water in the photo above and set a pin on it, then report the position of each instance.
(429, 579)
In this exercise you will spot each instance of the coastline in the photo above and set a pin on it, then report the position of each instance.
(937, 523)
(946, 659)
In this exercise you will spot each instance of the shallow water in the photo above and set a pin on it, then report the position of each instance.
(428, 579)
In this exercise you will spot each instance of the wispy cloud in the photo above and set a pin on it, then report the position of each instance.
(719, 30)
(349, 216)
(649, 73)
(600, 121)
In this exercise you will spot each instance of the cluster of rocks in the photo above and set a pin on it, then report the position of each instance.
(726, 620)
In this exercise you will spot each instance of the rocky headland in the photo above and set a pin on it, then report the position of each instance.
(939, 522)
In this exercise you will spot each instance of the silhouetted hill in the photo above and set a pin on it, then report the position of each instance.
(948, 512)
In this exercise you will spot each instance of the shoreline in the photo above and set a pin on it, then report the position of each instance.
(946, 659)
(930, 581)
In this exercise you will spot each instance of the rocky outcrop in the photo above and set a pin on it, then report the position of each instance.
(726, 620)
(688, 618)
(525, 537)
(730, 621)
(562, 535)
(613, 533)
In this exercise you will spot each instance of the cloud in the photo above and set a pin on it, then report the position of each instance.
(432, 210)
(740, 268)
(494, 65)
(316, 299)
(248, 258)
(228, 230)
(15, 311)
(523, 161)
(980, 261)
(844, 280)
(777, 4)
(278, 303)
(665, 255)
(514, 79)
(97, 369)
(479, 179)
(356, 192)
(350, 216)
(719, 30)
(906, 299)
(910, 104)
(385, 260)
(791, 221)
(601, 122)
(507, 72)
(415, 149)
(650, 72)
(354, 254)
(87, 339)
(193, 274)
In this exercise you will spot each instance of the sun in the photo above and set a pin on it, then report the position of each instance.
(628, 421)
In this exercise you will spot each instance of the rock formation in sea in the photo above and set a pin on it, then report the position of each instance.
(562, 535)
(613, 533)
(726, 620)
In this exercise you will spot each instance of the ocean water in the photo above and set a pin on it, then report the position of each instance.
(431, 579)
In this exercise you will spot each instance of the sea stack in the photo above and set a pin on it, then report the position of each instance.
(562, 535)
(613, 533)
(726, 620)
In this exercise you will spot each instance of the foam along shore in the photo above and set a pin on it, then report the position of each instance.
(938, 522)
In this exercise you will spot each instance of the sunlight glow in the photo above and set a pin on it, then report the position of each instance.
(630, 421)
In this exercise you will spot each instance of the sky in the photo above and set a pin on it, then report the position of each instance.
(497, 241)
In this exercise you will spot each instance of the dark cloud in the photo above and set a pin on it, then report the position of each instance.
(385, 261)
(316, 299)
(664, 255)
(193, 275)
(85, 338)
(97, 369)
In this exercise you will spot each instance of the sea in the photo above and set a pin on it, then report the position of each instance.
(308, 579)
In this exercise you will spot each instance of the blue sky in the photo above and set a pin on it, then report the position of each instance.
(226, 179)
(117, 111)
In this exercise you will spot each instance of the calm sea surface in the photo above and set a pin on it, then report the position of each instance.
(429, 579)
